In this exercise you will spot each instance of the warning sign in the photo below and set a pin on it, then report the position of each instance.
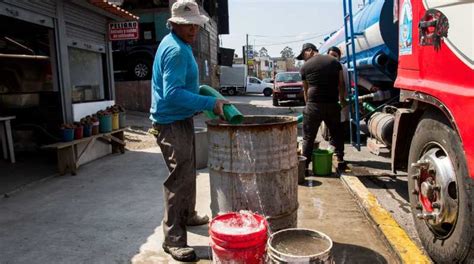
(123, 30)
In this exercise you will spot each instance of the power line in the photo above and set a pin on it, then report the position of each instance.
(289, 42)
(287, 36)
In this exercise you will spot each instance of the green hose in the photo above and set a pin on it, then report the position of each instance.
(299, 118)
(368, 107)
(231, 113)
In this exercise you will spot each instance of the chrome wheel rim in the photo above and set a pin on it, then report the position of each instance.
(436, 189)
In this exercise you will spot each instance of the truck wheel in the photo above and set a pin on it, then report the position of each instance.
(441, 192)
(141, 69)
(231, 91)
(275, 102)
(267, 92)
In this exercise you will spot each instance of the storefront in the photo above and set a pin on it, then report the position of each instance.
(55, 64)
(55, 61)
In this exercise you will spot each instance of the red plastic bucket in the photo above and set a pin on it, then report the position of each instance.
(238, 238)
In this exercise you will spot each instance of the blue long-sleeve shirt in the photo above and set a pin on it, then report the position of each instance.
(175, 83)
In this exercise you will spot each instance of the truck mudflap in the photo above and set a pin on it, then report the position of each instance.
(403, 130)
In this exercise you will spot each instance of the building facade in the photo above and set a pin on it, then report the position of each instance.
(264, 67)
(55, 58)
(284, 64)
(55, 64)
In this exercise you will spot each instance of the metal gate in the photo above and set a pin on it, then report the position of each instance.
(44, 7)
(85, 25)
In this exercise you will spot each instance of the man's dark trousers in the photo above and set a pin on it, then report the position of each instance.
(176, 141)
(313, 114)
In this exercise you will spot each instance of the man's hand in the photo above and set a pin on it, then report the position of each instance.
(219, 107)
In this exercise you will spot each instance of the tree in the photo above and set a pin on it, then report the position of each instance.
(287, 52)
(263, 52)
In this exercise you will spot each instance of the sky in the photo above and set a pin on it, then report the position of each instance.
(275, 24)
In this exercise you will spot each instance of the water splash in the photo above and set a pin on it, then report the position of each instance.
(247, 155)
(244, 223)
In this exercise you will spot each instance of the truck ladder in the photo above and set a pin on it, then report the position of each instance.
(352, 92)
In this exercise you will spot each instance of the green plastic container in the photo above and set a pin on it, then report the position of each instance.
(322, 162)
(231, 113)
(105, 123)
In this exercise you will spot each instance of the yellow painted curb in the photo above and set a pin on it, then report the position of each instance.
(398, 239)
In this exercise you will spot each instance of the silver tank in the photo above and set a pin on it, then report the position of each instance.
(254, 166)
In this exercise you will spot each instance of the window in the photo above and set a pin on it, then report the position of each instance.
(25, 57)
(87, 75)
(253, 80)
(288, 77)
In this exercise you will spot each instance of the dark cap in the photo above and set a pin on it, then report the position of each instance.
(305, 47)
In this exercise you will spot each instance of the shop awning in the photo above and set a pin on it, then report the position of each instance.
(116, 10)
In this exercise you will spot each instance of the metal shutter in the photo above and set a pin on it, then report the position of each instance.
(84, 24)
(44, 7)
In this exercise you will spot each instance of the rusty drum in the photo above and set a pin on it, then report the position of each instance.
(254, 166)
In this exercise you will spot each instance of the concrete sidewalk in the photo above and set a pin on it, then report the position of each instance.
(324, 205)
(111, 213)
(102, 215)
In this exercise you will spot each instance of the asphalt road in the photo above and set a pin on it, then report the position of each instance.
(374, 171)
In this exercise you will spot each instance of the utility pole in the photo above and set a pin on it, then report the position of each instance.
(247, 52)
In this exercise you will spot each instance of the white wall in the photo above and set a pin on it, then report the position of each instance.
(84, 109)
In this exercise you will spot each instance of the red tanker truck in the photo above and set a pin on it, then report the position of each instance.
(421, 53)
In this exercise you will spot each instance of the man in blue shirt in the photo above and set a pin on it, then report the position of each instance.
(175, 100)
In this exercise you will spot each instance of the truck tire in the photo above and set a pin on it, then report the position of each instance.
(267, 92)
(231, 91)
(437, 183)
(141, 69)
(275, 102)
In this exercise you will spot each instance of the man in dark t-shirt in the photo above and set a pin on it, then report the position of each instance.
(323, 87)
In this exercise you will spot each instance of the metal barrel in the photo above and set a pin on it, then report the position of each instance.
(254, 166)
(381, 127)
(299, 245)
(200, 144)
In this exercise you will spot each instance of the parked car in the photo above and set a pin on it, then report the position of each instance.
(233, 81)
(288, 86)
(134, 59)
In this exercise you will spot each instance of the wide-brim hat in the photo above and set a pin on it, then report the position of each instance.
(187, 12)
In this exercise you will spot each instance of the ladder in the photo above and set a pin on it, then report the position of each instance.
(352, 92)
